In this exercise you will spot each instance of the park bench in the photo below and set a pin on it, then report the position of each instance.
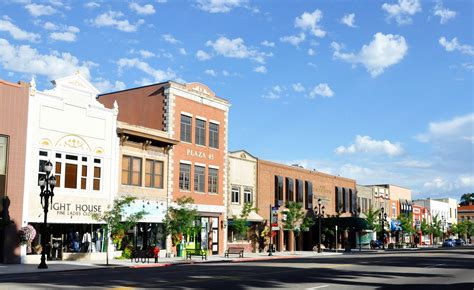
(196, 252)
(234, 250)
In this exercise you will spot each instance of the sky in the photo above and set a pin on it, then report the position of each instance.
(378, 91)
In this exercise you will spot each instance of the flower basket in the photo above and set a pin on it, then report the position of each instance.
(26, 235)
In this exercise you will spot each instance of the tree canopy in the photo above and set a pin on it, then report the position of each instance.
(180, 218)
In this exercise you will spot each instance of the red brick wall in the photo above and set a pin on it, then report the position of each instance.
(142, 106)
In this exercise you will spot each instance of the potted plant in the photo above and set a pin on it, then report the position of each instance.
(26, 235)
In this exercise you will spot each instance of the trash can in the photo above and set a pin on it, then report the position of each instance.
(179, 249)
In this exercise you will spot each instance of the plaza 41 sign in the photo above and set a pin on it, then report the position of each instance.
(199, 154)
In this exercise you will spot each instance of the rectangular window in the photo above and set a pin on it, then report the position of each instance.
(43, 158)
(213, 135)
(186, 128)
(309, 194)
(184, 176)
(299, 190)
(97, 176)
(339, 200)
(248, 195)
(70, 180)
(3, 164)
(57, 171)
(213, 180)
(154, 173)
(131, 170)
(200, 132)
(235, 194)
(290, 189)
(278, 190)
(83, 177)
(199, 175)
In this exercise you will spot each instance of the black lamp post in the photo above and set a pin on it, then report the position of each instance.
(383, 219)
(47, 187)
(319, 211)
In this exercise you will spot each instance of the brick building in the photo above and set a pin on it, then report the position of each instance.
(13, 128)
(194, 115)
(278, 183)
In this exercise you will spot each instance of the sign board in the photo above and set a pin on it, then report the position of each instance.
(274, 219)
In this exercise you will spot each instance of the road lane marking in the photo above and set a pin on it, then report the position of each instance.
(318, 287)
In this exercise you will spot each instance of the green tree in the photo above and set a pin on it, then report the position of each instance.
(240, 223)
(406, 223)
(117, 221)
(466, 198)
(436, 228)
(372, 218)
(296, 219)
(180, 218)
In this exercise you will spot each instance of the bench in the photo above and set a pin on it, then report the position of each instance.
(234, 250)
(196, 252)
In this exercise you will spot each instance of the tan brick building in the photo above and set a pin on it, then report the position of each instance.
(278, 183)
(13, 128)
(194, 115)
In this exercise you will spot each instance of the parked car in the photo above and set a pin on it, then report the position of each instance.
(449, 243)
(459, 242)
(376, 244)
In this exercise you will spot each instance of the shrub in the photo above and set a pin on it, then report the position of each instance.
(127, 252)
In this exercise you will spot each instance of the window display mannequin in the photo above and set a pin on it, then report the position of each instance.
(86, 241)
(98, 240)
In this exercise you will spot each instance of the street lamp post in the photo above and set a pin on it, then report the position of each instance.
(319, 211)
(383, 219)
(47, 185)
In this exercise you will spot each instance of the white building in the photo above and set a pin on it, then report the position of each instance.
(242, 189)
(438, 209)
(70, 128)
(452, 217)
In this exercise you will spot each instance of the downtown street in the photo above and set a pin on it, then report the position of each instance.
(408, 269)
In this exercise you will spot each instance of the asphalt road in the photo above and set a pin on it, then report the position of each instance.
(423, 269)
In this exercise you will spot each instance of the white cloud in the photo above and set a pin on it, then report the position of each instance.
(467, 181)
(268, 43)
(260, 69)
(210, 72)
(37, 10)
(157, 75)
(219, 6)
(349, 20)
(438, 183)
(104, 85)
(309, 21)
(236, 48)
(402, 11)
(455, 45)
(25, 59)
(414, 164)
(111, 18)
(323, 90)
(294, 39)
(169, 38)
(444, 13)
(459, 128)
(298, 87)
(63, 36)
(225, 73)
(468, 66)
(50, 26)
(274, 93)
(147, 9)
(143, 53)
(382, 52)
(365, 144)
(202, 55)
(17, 33)
(182, 51)
(311, 52)
(92, 5)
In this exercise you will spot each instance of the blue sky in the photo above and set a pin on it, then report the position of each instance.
(379, 91)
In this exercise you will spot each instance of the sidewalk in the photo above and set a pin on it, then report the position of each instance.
(59, 266)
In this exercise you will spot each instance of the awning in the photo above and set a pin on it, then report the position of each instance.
(253, 216)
